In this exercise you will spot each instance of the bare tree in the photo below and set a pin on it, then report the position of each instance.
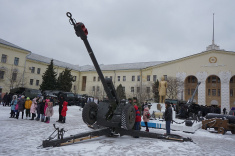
(14, 78)
(174, 85)
(143, 92)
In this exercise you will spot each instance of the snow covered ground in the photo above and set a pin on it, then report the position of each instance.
(23, 137)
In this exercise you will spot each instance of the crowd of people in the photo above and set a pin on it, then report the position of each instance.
(39, 108)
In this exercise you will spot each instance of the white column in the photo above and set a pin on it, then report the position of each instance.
(201, 77)
(225, 77)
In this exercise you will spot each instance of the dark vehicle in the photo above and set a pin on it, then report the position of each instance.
(78, 99)
(27, 92)
(69, 97)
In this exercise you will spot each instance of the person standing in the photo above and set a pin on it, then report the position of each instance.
(137, 119)
(61, 101)
(13, 104)
(146, 116)
(49, 112)
(168, 117)
(28, 104)
(21, 104)
(33, 108)
(64, 110)
(5, 98)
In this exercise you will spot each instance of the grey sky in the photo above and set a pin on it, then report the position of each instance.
(120, 31)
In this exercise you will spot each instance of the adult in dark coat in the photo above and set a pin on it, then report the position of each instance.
(60, 101)
(168, 117)
(5, 99)
(21, 103)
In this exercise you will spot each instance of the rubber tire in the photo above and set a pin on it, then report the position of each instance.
(128, 117)
(221, 130)
(233, 131)
(89, 113)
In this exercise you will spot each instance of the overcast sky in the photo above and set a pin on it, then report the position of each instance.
(119, 31)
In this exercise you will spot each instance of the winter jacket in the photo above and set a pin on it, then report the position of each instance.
(168, 113)
(13, 104)
(28, 104)
(145, 113)
(21, 104)
(33, 106)
(137, 114)
(64, 109)
(46, 105)
(49, 111)
(42, 105)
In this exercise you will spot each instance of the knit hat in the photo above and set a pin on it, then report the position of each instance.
(28, 98)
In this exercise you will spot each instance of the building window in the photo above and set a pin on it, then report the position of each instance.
(188, 91)
(132, 89)
(209, 92)
(218, 92)
(37, 82)
(133, 78)
(188, 79)
(193, 79)
(218, 80)
(14, 76)
(138, 78)
(93, 88)
(192, 91)
(31, 82)
(138, 89)
(2, 74)
(4, 58)
(231, 92)
(84, 83)
(16, 61)
(32, 69)
(98, 78)
(74, 87)
(213, 79)
(154, 78)
(165, 77)
(94, 78)
(98, 88)
(74, 78)
(119, 78)
(213, 92)
(38, 70)
(123, 88)
(111, 77)
(124, 78)
(148, 77)
(148, 89)
(209, 80)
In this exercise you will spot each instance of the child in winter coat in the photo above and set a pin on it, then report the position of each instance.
(146, 116)
(42, 105)
(27, 106)
(63, 112)
(49, 112)
(39, 103)
(33, 108)
(20, 104)
(13, 104)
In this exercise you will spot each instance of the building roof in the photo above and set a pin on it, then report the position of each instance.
(47, 60)
(11, 45)
(124, 66)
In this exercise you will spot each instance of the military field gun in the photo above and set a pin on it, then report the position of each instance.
(114, 116)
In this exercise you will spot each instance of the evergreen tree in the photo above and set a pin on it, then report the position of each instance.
(65, 80)
(156, 91)
(121, 93)
(49, 78)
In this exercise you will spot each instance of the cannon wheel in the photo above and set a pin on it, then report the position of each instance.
(216, 128)
(128, 117)
(221, 130)
(89, 113)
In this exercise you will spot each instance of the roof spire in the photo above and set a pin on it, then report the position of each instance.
(213, 37)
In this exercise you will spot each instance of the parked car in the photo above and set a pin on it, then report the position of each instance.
(69, 97)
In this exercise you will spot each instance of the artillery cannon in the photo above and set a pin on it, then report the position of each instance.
(219, 122)
(113, 116)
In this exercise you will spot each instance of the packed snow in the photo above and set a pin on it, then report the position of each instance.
(22, 137)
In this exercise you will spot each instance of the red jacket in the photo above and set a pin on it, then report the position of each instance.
(137, 114)
(64, 109)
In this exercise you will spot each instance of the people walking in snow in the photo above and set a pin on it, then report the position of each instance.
(13, 104)
(28, 104)
(49, 111)
(33, 108)
(64, 110)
